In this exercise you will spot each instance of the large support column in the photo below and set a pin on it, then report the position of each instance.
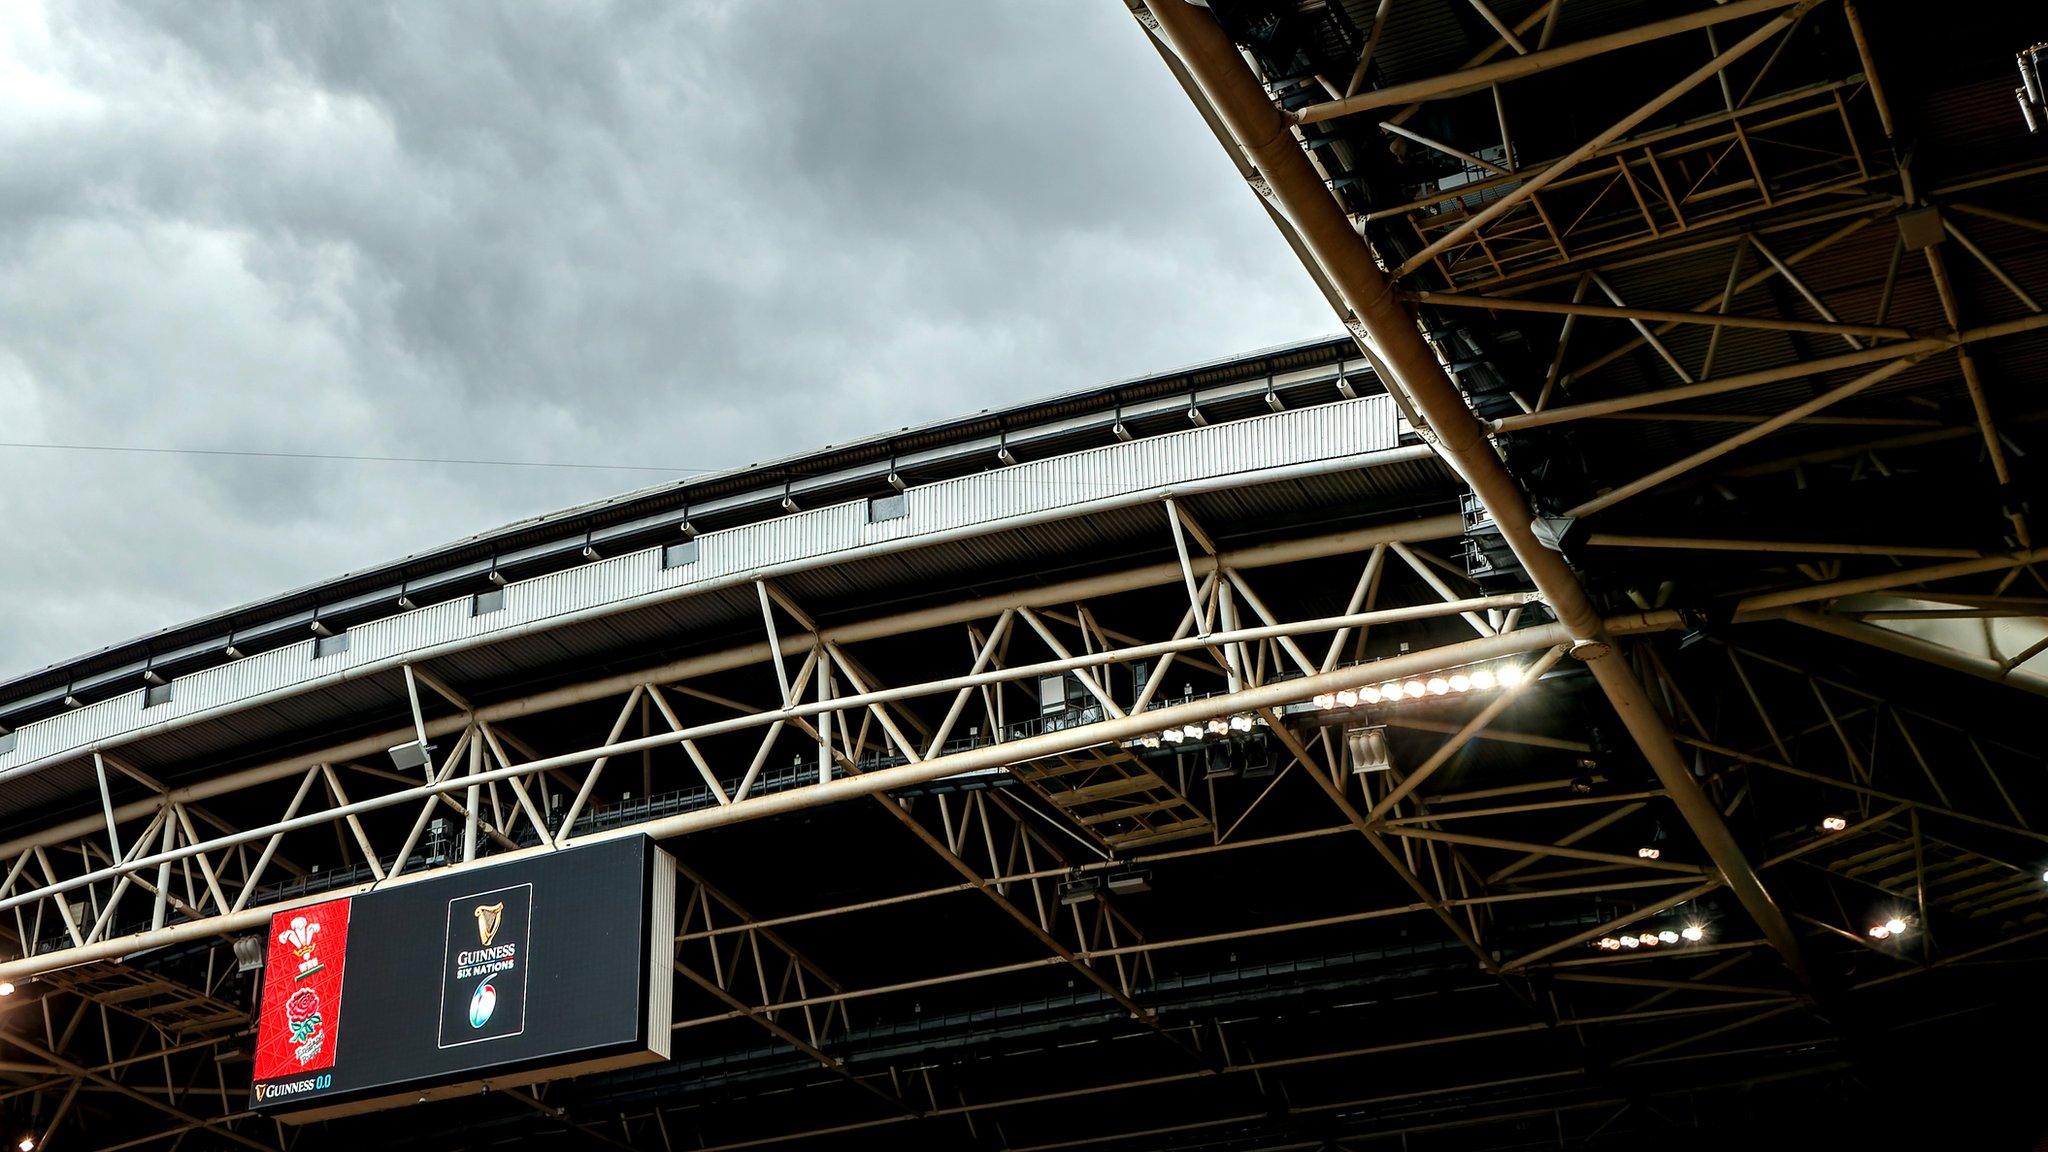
(1384, 326)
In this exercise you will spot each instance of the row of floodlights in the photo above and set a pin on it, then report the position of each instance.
(1477, 679)
(1242, 722)
(1691, 934)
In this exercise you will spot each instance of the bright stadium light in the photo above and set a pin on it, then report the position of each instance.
(1694, 933)
(1438, 685)
(1895, 926)
(1833, 823)
(1414, 689)
(1482, 679)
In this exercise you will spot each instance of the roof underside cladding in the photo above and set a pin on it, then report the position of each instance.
(482, 551)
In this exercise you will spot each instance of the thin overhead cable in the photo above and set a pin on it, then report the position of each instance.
(344, 457)
(1036, 482)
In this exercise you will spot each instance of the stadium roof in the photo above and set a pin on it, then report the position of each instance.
(834, 473)
(1621, 727)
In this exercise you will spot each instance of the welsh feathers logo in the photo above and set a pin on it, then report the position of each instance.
(482, 1003)
(298, 937)
(488, 917)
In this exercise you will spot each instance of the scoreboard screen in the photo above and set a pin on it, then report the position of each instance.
(551, 965)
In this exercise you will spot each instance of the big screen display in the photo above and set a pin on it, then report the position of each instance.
(553, 964)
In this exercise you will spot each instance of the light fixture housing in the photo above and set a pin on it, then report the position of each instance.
(1222, 761)
(1369, 750)
(1080, 890)
(1833, 823)
(1131, 880)
(410, 755)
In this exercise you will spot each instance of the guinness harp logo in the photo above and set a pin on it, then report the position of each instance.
(488, 917)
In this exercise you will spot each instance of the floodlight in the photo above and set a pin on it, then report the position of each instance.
(1369, 750)
(1080, 889)
(1131, 880)
(411, 754)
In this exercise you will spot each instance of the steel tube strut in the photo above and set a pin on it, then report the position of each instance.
(1380, 319)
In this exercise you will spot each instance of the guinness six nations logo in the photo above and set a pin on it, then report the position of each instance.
(483, 982)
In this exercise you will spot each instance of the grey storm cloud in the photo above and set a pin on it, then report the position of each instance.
(682, 235)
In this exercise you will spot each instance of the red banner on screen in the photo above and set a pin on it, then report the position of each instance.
(301, 1013)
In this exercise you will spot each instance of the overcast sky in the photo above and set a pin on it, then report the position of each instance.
(686, 235)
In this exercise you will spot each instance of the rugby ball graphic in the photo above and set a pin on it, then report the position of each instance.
(482, 1003)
